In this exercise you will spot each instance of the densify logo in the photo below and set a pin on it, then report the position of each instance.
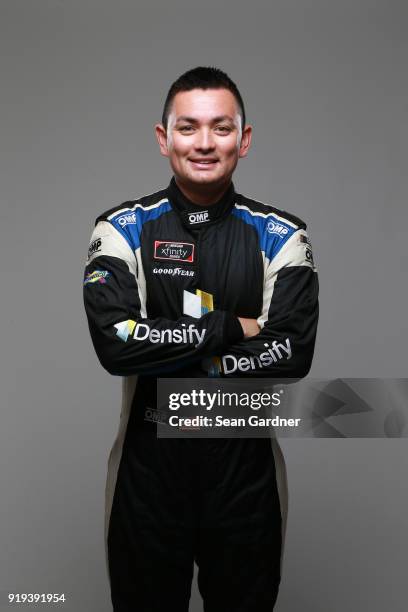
(276, 352)
(174, 251)
(187, 334)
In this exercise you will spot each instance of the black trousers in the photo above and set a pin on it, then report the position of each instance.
(214, 501)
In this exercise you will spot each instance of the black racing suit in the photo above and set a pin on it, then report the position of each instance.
(217, 501)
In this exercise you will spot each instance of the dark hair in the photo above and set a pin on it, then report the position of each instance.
(202, 78)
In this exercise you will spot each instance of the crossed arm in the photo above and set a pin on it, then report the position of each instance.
(279, 343)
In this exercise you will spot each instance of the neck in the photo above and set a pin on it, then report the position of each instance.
(206, 196)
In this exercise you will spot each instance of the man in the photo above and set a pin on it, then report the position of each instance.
(216, 501)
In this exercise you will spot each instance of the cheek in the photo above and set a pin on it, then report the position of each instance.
(231, 149)
(178, 148)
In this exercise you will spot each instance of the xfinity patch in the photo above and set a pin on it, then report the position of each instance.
(174, 251)
(198, 217)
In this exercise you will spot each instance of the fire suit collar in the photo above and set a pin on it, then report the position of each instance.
(195, 216)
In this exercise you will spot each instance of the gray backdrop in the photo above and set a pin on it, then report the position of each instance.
(82, 84)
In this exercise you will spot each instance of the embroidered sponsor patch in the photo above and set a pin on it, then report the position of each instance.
(184, 334)
(173, 271)
(272, 354)
(197, 304)
(98, 276)
(309, 256)
(198, 217)
(276, 228)
(127, 219)
(94, 247)
(174, 251)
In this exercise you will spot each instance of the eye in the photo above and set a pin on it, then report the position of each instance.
(186, 129)
(223, 129)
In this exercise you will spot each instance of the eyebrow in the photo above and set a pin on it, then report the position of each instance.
(215, 120)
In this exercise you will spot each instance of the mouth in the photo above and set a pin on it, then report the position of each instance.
(203, 163)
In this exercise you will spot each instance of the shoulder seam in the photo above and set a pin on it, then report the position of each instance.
(136, 205)
(273, 213)
(131, 205)
(282, 215)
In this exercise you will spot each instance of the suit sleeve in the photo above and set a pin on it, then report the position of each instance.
(285, 345)
(126, 341)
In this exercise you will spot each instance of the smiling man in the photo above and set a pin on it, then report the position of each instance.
(197, 280)
(202, 134)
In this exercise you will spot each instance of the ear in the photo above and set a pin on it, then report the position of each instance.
(245, 141)
(161, 135)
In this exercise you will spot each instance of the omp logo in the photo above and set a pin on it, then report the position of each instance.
(174, 251)
(198, 217)
(94, 247)
(173, 271)
(309, 256)
(277, 228)
(187, 334)
(98, 276)
(129, 219)
(277, 351)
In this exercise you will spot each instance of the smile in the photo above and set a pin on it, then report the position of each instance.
(203, 163)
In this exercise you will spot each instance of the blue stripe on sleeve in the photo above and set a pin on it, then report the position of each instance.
(272, 232)
(130, 222)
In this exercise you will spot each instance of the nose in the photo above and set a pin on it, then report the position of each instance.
(204, 140)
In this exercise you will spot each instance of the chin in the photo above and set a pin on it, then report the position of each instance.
(204, 177)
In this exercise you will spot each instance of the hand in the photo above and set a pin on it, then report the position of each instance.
(249, 326)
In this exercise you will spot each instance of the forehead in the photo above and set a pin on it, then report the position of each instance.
(204, 104)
